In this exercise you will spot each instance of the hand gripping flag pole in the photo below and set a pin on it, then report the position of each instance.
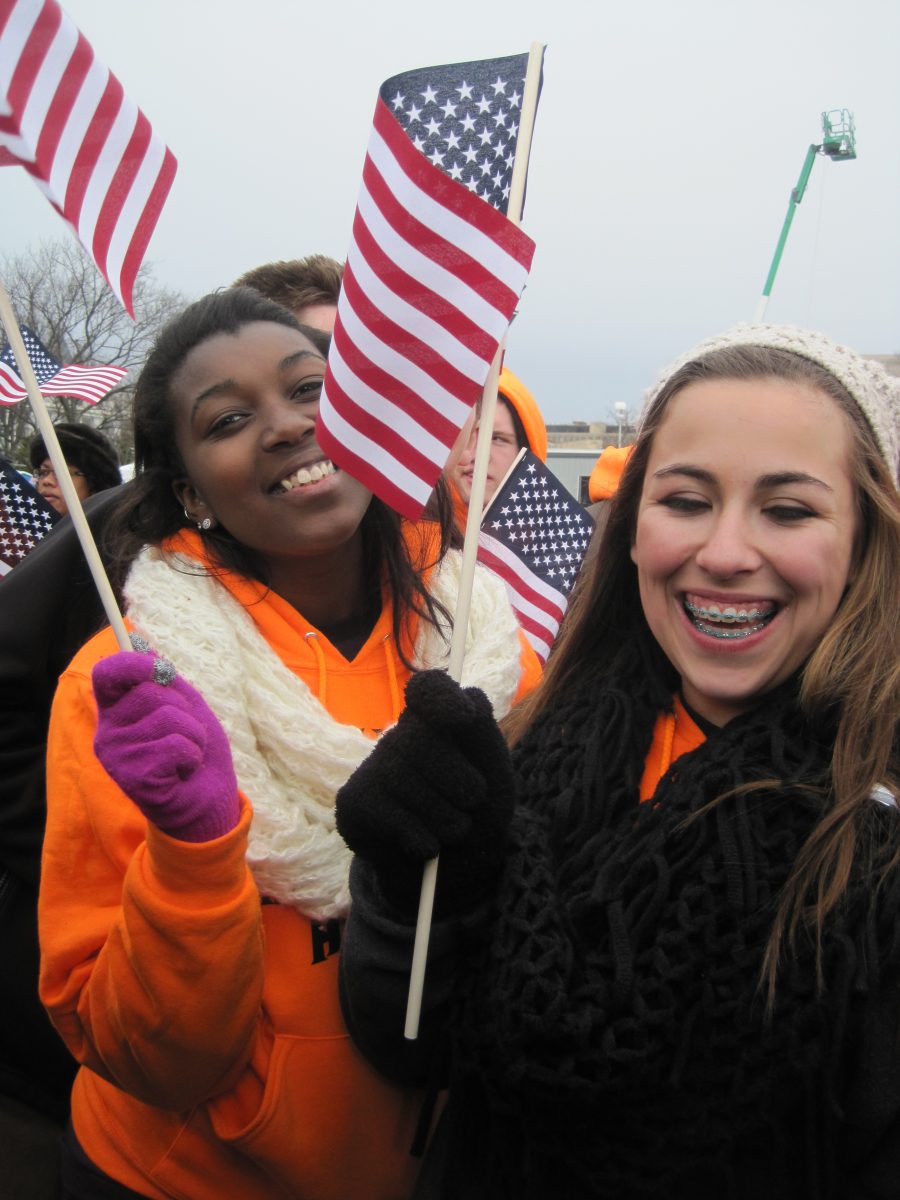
(61, 470)
(473, 524)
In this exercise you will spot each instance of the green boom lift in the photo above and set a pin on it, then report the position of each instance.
(839, 144)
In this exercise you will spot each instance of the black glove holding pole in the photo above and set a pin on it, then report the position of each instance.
(439, 783)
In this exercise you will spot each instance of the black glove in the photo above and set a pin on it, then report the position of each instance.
(439, 783)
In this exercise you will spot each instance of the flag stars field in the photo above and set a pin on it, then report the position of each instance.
(468, 131)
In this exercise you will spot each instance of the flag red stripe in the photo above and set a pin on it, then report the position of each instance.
(60, 107)
(452, 258)
(368, 475)
(143, 231)
(556, 611)
(34, 51)
(403, 341)
(392, 443)
(429, 418)
(90, 150)
(421, 297)
(119, 187)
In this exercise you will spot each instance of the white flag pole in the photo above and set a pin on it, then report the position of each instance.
(473, 524)
(61, 470)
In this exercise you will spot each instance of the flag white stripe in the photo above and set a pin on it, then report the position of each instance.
(429, 273)
(417, 323)
(132, 210)
(380, 354)
(389, 413)
(379, 458)
(538, 615)
(514, 563)
(107, 164)
(46, 82)
(442, 221)
(12, 43)
(78, 122)
(541, 647)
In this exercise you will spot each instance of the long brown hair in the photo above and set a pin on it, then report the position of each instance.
(853, 674)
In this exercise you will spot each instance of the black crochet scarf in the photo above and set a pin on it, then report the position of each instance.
(613, 1042)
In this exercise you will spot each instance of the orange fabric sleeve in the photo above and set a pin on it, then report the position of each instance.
(148, 980)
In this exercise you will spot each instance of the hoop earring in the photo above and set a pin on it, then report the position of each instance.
(205, 524)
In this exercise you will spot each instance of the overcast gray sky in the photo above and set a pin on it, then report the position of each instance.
(668, 139)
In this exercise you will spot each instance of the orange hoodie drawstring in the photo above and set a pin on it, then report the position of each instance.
(396, 700)
(312, 640)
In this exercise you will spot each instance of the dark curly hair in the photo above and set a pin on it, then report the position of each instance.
(87, 450)
(150, 513)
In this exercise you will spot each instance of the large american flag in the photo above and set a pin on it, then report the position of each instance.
(85, 383)
(433, 275)
(25, 517)
(65, 118)
(534, 535)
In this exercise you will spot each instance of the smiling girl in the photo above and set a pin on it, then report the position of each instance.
(193, 884)
(690, 986)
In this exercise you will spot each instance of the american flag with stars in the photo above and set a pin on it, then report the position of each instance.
(25, 517)
(84, 383)
(434, 272)
(534, 535)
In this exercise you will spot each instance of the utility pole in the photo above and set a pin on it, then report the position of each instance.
(839, 144)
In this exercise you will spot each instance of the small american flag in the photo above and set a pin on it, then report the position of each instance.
(66, 120)
(433, 275)
(534, 535)
(85, 383)
(25, 517)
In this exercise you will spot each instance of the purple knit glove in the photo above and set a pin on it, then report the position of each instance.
(164, 747)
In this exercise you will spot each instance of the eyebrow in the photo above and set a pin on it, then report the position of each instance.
(764, 483)
(225, 386)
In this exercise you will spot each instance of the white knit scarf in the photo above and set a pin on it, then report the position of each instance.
(290, 756)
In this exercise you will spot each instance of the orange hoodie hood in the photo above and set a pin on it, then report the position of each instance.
(514, 391)
(607, 472)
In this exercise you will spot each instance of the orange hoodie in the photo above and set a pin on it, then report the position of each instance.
(674, 734)
(215, 1059)
(607, 472)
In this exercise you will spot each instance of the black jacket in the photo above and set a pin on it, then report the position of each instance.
(49, 607)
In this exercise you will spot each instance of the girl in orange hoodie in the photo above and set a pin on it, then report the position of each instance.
(193, 883)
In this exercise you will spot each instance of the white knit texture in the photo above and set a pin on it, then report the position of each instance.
(875, 391)
(290, 756)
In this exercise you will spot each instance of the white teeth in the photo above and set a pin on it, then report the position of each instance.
(308, 475)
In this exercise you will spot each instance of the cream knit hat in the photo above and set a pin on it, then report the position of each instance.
(875, 391)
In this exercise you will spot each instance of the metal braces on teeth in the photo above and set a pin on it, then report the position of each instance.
(728, 615)
(717, 631)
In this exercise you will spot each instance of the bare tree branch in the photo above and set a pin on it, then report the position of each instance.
(58, 292)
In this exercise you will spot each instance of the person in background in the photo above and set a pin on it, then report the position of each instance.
(602, 486)
(193, 886)
(685, 979)
(91, 457)
(309, 287)
(517, 423)
(49, 607)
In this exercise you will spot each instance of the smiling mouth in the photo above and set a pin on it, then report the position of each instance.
(729, 622)
(306, 475)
